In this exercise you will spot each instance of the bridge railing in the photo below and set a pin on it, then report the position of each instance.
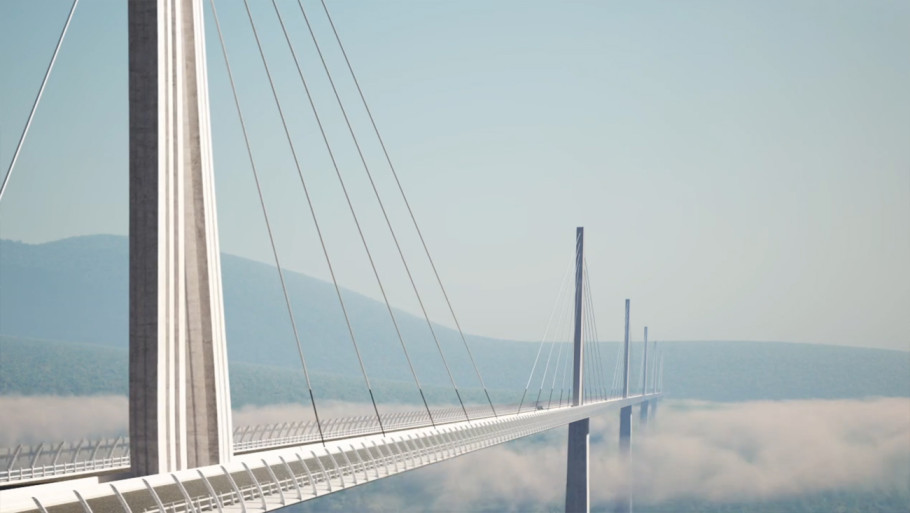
(262, 436)
(30, 462)
(339, 467)
(279, 477)
(310, 477)
(65, 469)
(46, 461)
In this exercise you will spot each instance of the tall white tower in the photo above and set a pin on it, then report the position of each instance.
(180, 414)
(578, 493)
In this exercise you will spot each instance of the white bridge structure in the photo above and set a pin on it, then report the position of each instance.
(182, 454)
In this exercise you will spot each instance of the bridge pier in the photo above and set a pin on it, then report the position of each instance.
(578, 492)
(643, 418)
(180, 414)
(655, 376)
(624, 498)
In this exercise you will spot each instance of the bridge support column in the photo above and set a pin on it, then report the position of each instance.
(643, 418)
(180, 413)
(655, 360)
(577, 476)
(577, 481)
(624, 499)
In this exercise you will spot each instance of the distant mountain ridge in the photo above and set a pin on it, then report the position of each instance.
(76, 290)
(711, 371)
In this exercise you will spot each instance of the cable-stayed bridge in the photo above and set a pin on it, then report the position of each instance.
(182, 453)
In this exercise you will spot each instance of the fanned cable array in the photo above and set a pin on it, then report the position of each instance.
(553, 373)
(343, 175)
(595, 369)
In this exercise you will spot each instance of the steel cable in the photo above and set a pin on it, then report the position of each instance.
(338, 173)
(386, 217)
(312, 211)
(31, 114)
(596, 335)
(405, 198)
(265, 215)
(561, 328)
(545, 333)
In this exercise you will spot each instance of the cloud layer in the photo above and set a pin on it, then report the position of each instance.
(715, 452)
(705, 451)
(51, 418)
(764, 450)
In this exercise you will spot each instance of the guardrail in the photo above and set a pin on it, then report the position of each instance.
(25, 464)
(281, 477)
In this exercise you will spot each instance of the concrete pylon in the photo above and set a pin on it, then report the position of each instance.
(577, 462)
(644, 381)
(180, 413)
(624, 500)
(653, 408)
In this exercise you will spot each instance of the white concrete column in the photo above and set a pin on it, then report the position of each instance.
(578, 494)
(179, 394)
(624, 499)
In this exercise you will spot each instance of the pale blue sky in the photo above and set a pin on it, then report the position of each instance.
(742, 168)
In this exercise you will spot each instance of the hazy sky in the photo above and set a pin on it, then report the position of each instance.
(742, 169)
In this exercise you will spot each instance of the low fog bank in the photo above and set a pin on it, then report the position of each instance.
(766, 450)
(51, 418)
(693, 451)
(730, 452)
(696, 456)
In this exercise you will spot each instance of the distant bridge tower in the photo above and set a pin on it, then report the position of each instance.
(578, 496)
(644, 381)
(179, 395)
(624, 500)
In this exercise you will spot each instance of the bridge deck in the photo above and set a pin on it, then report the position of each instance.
(46, 462)
(271, 478)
